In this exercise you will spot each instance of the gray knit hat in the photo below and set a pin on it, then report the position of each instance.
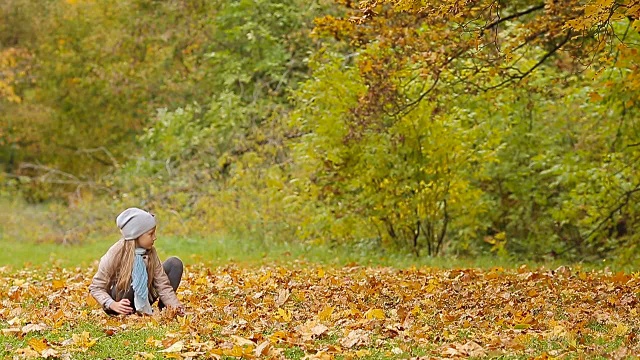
(134, 222)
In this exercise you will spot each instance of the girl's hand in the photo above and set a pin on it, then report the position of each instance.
(122, 307)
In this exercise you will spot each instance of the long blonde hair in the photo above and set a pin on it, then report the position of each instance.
(124, 266)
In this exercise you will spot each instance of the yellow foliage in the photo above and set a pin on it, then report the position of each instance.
(374, 314)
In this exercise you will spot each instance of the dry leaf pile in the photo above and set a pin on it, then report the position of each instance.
(351, 312)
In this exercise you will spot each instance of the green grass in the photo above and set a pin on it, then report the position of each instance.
(220, 251)
(294, 353)
(121, 345)
(20, 228)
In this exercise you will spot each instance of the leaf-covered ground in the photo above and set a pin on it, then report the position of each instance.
(312, 312)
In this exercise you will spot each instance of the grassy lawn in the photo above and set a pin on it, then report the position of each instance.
(216, 251)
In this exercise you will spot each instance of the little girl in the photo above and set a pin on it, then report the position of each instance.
(130, 276)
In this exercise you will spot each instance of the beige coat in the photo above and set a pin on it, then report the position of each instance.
(107, 276)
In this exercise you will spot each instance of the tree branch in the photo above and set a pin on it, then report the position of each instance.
(540, 62)
(547, 55)
(513, 16)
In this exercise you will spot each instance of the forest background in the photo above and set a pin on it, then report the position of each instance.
(460, 129)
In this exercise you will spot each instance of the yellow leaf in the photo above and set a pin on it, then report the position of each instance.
(559, 330)
(620, 329)
(265, 277)
(582, 276)
(325, 314)
(57, 284)
(374, 314)
(236, 351)
(83, 340)
(620, 278)
(59, 315)
(285, 315)
(38, 345)
(91, 301)
(367, 66)
(277, 336)
(362, 353)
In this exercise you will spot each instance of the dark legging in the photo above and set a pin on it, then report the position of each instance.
(172, 267)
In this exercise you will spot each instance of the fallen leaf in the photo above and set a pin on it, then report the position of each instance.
(374, 314)
(325, 314)
(175, 348)
(38, 345)
(58, 284)
(91, 301)
(34, 327)
(283, 296)
(242, 341)
(28, 353)
(355, 338)
(236, 351)
(285, 315)
(473, 349)
(11, 331)
(49, 353)
(319, 329)
(83, 340)
(262, 349)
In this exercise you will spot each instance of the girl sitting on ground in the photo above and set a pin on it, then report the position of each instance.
(130, 276)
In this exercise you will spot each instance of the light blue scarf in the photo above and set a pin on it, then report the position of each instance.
(139, 280)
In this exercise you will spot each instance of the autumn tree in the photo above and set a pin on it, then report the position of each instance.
(479, 65)
(94, 73)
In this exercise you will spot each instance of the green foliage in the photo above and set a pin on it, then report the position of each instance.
(537, 171)
(220, 163)
(98, 71)
(401, 178)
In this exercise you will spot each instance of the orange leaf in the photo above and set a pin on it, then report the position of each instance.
(58, 284)
(595, 97)
(91, 301)
(38, 345)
